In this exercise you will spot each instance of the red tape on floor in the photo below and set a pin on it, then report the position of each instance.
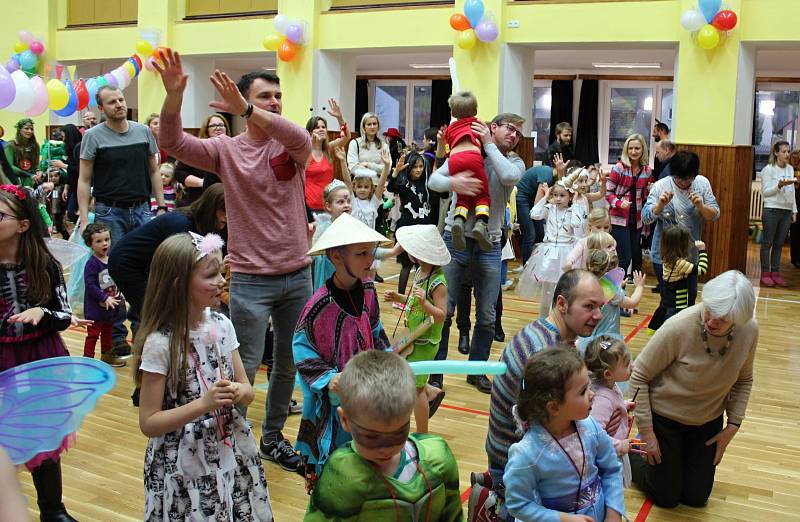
(644, 511)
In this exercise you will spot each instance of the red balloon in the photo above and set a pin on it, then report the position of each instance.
(138, 60)
(83, 94)
(459, 22)
(724, 20)
(286, 50)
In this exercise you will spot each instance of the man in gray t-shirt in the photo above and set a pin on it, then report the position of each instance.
(119, 161)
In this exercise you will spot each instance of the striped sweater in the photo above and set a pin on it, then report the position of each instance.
(533, 338)
(676, 280)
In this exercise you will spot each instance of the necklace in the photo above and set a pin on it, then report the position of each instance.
(578, 472)
(724, 348)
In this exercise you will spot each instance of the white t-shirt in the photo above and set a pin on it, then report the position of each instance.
(215, 332)
(366, 210)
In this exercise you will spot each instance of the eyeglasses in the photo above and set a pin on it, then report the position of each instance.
(4, 215)
(216, 126)
(511, 129)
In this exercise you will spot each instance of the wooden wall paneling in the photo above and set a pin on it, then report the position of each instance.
(202, 7)
(729, 169)
(80, 12)
(525, 150)
(129, 10)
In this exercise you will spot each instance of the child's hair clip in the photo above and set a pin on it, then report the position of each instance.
(207, 244)
(15, 191)
(605, 345)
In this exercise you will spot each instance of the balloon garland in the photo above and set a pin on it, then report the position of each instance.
(474, 25)
(707, 21)
(287, 37)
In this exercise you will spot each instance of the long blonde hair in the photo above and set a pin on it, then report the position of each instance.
(166, 306)
(644, 159)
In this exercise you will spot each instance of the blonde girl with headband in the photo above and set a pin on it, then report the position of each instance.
(599, 221)
(609, 362)
(565, 467)
(600, 262)
(336, 200)
(544, 267)
(202, 457)
(428, 298)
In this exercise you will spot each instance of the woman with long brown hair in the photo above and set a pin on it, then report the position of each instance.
(23, 154)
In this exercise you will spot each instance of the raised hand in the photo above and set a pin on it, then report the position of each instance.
(171, 70)
(700, 245)
(558, 161)
(334, 110)
(340, 153)
(638, 278)
(232, 100)
(386, 158)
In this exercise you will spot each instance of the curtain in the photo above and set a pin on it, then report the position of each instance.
(440, 111)
(561, 107)
(362, 103)
(586, 143)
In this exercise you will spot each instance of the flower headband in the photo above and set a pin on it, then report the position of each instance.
(14, 190)
(206, 245)
(21, 123)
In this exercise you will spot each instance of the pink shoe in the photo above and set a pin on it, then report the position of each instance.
(766, 279)
(778, 280)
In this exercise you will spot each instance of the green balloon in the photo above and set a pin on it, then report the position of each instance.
(101, 82)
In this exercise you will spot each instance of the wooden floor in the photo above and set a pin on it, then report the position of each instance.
(757, 480)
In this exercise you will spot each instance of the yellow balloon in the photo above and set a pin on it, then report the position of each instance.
(272, 41)
(20, 47)
(59, 96)
(467, 39)
(144, 48)
(708, 37)
(128, 66)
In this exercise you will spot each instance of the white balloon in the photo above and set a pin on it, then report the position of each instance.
(281, 22)
(40, 97)
(120, 79)
(25, 95)
(692, 20)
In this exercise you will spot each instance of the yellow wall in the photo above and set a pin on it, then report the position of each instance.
(705, 82)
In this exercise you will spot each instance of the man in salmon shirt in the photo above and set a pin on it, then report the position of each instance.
(263, 172)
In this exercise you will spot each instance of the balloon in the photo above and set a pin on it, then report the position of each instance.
(149, 64)
(7, 88)
(281, 22)
(158, 52)
(46, 400)
(30, 71)
(20, 47)
(58, 94)
(473, 10)
(24, 92)
(40, 97)
(692, 20)
(12, 65)
(110, 80)
(101, 82)
(486, 31)
(725, 20)
(83, 94)
(37, 47)
(72, 102)
(123, 77)
(144, 47)
(708, 37)
(459, 22)
(130, 69)
(287, 50)
(137, 63)
(458, 367)
(709, 8)
(466, 39)
(27, 59)
(91, 88)
(25, 36)
(272, 41)
(294, 32)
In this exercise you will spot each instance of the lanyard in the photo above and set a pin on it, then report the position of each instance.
(218, 414)
(575, 466)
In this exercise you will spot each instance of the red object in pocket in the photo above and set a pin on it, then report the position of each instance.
(283, 166)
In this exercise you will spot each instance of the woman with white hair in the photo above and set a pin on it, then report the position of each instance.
(696, 371)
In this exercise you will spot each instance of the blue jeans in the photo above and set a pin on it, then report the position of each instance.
(485, 268)
(532, 230)
(629, 248)
(120, 221)
(253, 300)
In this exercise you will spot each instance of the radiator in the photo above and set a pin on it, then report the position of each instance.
(756, 201)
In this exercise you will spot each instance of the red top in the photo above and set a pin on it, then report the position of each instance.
(318, 175)
(460, 128)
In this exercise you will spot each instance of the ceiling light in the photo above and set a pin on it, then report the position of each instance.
(626, 65)
(429, 66)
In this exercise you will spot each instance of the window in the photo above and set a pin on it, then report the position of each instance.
(542, 99)
(631, 107)
(777, 117)
(404, 105)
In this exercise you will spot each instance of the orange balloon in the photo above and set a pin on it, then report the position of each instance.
(459, 22)
(158, 51)
(286, 50)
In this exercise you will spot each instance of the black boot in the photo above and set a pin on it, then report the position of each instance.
(463, 343)
(499, 334)
(47, 479)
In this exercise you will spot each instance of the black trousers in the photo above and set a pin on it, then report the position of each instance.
(686, 472)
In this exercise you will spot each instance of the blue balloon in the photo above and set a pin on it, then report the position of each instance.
(72, 103)
(91, 87)
(710, 8)
(27, 59)
(458, 367)
(473, 10)
(44, 401)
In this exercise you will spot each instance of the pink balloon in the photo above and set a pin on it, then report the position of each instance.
(40, 97)
(123, 75)
(111, 79)
(149, 64)
(37, 47)
(25, 36)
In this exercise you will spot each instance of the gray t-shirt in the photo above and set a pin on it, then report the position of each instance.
(121, 161)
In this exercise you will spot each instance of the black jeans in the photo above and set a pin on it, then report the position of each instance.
(629, 248)
(686, 472)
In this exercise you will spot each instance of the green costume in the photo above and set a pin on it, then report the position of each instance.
(53, 150)
(426, 346)
(350, 489)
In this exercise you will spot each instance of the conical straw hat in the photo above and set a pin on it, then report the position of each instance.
(424, 242)
(345, 230)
